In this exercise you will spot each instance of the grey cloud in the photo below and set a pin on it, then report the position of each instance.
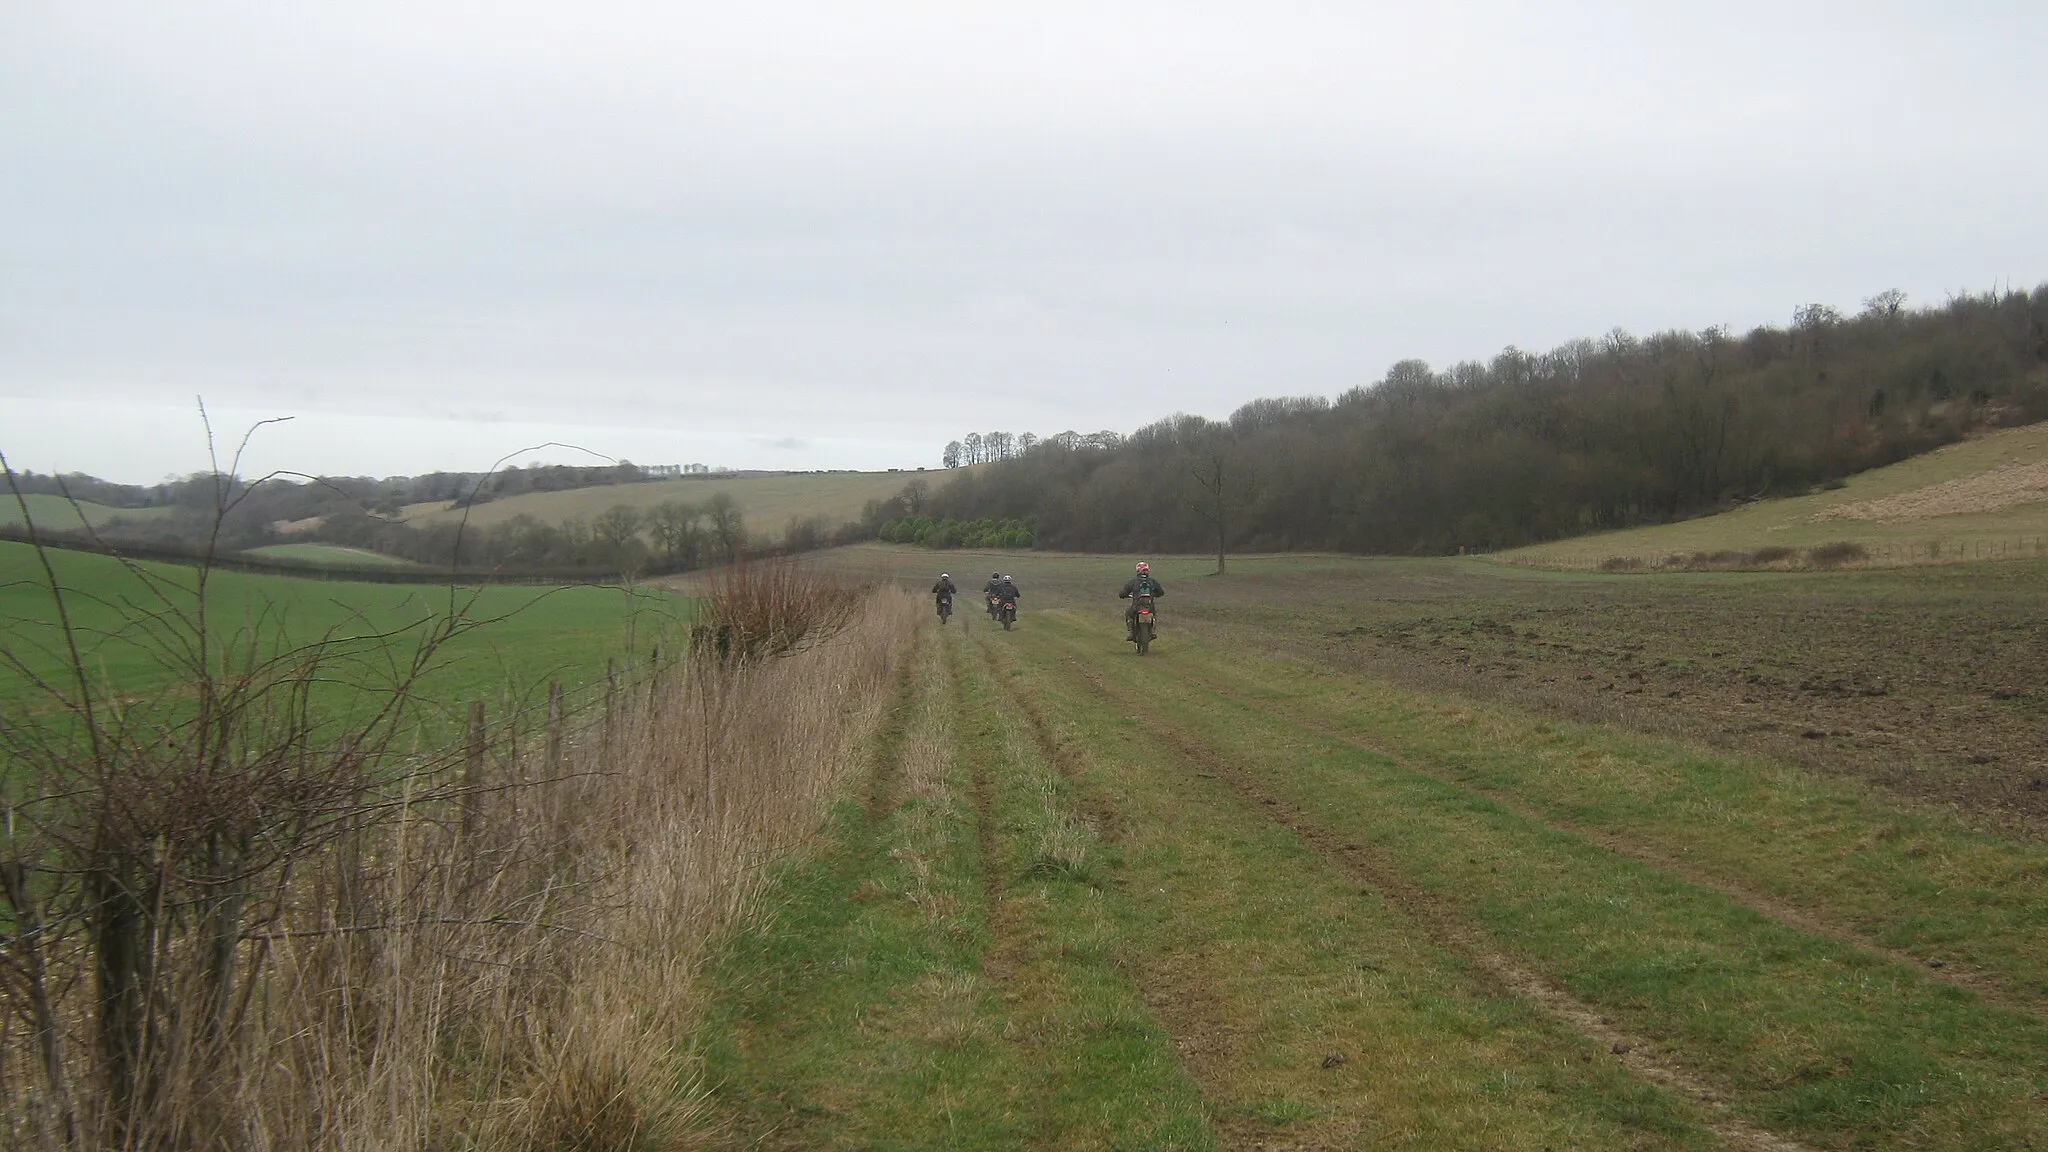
(777, 222)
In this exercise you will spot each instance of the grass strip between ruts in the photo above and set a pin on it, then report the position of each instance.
(903, 994)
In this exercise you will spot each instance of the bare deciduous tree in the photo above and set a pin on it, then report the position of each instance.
(728, 526)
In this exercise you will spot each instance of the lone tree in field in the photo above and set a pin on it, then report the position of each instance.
(1217, 480)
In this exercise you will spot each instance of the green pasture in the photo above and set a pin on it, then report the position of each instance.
(516, 639)
(61, 515)
(327, 556)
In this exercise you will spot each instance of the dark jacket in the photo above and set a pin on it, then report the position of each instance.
(1008, 590)
(1135, 586)
(945, 588)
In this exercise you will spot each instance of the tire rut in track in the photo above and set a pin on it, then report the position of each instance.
(884, 780)
(1109, 821)
(1989, 985)
(1002, 959)
(1450, 932)
(1206, 1051)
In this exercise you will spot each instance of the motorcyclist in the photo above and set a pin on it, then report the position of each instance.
(1142, 583)
(944, 590)
(991, 590)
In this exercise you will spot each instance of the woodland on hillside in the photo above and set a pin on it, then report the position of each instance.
(220, 513)
(1592, 435)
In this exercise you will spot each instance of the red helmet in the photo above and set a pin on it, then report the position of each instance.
(1144, 567)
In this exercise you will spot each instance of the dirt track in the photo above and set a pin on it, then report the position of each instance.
(1355, 874)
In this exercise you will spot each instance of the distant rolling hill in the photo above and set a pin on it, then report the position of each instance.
(327, 556)
(59, 514)
(1985, 498)
(767, 502)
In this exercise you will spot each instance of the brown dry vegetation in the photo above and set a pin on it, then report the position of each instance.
(501, 963)
(1985, 492)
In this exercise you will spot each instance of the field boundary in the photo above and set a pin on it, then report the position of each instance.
(1969, 549)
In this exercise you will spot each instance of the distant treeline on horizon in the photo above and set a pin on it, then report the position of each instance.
(1592, 435)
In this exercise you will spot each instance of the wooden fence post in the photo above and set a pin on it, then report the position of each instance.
(555, 730)
(473, 769)
(611, 692)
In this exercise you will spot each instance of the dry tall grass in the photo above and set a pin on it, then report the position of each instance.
(507, 972)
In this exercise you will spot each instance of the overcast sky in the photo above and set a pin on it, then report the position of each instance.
(832, 235)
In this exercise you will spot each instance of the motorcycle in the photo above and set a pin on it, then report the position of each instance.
(1003, 609)
(945, 609)
(1144, 625)
(995, 607)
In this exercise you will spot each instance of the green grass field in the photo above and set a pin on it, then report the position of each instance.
(327, 556)
(59, 514)
(1423, 854)
(767, 502)
(534, 635)
(1985, 498)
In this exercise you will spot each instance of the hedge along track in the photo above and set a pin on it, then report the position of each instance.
(1990, 985)
(1444, 928)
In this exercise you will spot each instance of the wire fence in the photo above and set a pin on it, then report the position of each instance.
(1848, 553)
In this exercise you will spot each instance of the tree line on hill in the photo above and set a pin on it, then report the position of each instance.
(980, 448)
(673, 536)
(1594, 434)
(289, 498)
(224, 513)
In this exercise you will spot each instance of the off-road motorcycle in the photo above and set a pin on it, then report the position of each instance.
(1003, 609)
(1144, 623)
(945, 609)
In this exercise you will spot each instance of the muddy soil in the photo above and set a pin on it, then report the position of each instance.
(1931, 683)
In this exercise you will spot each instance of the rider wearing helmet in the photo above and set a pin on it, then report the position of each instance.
(991, 590)
(944, 589)
(1141, 584)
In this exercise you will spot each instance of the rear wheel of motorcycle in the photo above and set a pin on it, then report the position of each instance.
(1006, 623)
(1144, 639)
